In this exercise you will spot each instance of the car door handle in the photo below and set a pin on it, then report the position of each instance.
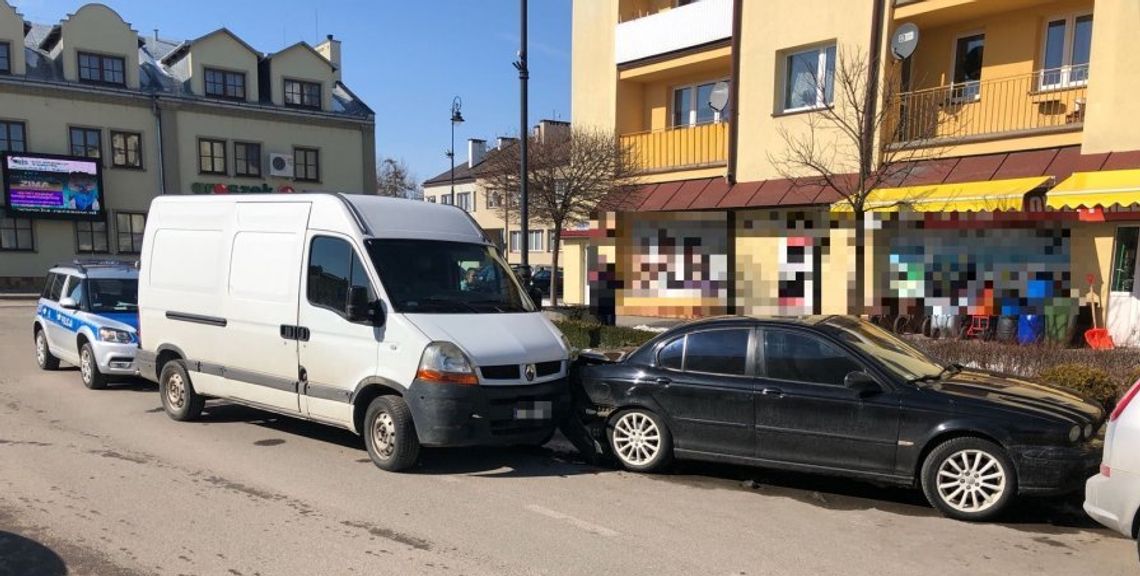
(663, 381)
(772, 392)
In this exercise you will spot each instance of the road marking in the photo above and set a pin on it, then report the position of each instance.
(575, 522)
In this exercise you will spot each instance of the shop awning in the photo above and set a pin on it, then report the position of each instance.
(1092, 189)
(984, 196)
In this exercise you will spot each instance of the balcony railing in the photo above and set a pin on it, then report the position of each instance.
(698, 146)
(1040, 102)
(671, 30)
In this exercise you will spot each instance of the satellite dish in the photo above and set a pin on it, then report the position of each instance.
(718, 98)
(904, 41)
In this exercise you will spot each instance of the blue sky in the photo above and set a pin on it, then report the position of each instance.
(406, 58)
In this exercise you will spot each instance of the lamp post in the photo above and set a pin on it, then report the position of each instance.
(456, 118)
(524, 208)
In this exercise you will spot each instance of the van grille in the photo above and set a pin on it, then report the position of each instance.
(547, 368)
(503, 372)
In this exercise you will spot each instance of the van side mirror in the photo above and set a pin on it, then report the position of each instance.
(862, 383)
(68, 303)
(361, 310)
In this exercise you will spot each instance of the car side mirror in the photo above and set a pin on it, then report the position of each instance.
(862, 383)
(68, 303)
(536, 296)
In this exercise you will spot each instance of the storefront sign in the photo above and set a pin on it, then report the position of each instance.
(208, 188)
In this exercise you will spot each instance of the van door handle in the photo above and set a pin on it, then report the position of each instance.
(772, 392)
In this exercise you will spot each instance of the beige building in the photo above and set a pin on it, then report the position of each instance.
(204, 116)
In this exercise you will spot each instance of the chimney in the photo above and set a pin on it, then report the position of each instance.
(505, 141)
(330, 49)
(551, 129)
(476, 149)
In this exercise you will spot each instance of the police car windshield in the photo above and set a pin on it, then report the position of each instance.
(113, 294)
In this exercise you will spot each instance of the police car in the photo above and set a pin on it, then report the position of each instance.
(88, 316)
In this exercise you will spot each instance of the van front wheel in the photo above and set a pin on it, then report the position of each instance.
(389, 434)
(177, 392)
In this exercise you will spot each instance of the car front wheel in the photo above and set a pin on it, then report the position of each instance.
(969, 479)
(640, 440)
(89, 369)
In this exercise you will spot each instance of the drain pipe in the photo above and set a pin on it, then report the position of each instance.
(733, 94)
(158, 140)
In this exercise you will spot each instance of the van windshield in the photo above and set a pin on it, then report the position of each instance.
(440, 277)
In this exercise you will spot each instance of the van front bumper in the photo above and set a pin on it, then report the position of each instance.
(458, 415)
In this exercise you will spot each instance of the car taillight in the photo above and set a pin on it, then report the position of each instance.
(1105, 471)
(1123, 404)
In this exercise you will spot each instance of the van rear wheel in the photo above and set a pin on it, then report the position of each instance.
(178, 397)
(389, 434)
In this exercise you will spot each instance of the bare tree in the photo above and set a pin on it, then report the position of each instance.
(836, 149)
(569, 175)
(393, 179)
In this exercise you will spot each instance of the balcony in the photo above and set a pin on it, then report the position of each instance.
(700, 146)
(671, 30)
(1043, 102)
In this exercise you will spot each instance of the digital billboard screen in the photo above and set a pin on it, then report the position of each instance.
(43, 186)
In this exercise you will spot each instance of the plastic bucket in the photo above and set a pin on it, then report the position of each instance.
(1030, 328)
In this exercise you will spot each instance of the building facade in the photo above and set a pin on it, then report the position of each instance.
(1017, 198)
(211, 115)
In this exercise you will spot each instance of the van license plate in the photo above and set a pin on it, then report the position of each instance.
(534, 411)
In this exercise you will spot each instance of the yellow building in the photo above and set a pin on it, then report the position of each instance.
(1015, 112)
(160, 116)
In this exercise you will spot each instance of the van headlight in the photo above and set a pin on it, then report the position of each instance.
(445, 363)
(116, 336)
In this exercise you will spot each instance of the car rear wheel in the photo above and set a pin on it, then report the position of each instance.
(179, 399)
(44, 357)
(969, 479)
(89, 369)
(390, 435)
(640, 440)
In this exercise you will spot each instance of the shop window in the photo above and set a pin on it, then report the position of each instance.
(1124, 259)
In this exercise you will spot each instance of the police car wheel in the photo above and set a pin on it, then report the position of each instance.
(178, 397)
(44, 357)
(89, 369)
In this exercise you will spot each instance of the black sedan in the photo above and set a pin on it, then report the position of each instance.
(837, 395)
(541, 281)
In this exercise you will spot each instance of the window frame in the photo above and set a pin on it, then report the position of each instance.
(238, 173)
(821, 101)
(762, 355)
(16, 228)
(354, 255)
(1065, 71)
(130, 233)
(316, 165)
(87, 131)
(6, 126)
(751, 355)
(126, 134)
(226, 75)
(970, 90)
(302, 84)
(100, 58)
(213, 163)
(6, 49)
(468, 205)
(512, 246)
(93, 235)
(535, 246)
(718, 117)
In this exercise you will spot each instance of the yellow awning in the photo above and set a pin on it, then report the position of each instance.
(985, 196)
(1091, 189)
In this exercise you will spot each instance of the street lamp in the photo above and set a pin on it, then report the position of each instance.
(456, 118)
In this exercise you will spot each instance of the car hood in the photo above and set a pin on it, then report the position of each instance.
(125, 319)
(1022, 395)
(496, 339)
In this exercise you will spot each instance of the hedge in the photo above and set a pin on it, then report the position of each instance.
(584, 335)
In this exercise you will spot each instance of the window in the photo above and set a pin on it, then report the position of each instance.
(53, 288)
(5, 58)
(691, 106)
(91, 237)
(430, 199)
(302, 94)
(463, 200)
(809, 79)
(74, 289)
(550, 240)
(100, 69)
(126, 149)
(718, 352)
(306, 164)
(16, 234)
(968, 52)
(672, 355)
(516, 240)
(336, 276)
(13, 137)
(86, 142)
(804, 358)
(534, 240)
(1068, 45)
(1124, 259)
(225, 84)
(211, 156)
(446, 199)
(129, 226)
(494, 199)
(247, 159)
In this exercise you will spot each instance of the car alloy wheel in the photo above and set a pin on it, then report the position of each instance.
(636, 439)
(86, 366)
(41, 349)
(971, 481)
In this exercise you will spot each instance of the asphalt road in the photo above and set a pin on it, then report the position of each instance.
(103, 483)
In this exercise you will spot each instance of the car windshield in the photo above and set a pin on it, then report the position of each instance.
(113, 294)
(893, 353)
(440, 277)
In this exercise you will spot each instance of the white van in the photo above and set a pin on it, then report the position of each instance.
(392, 318)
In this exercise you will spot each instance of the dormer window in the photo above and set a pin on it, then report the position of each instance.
(303, 94)
(225, 84)
(100, 69)
(5, 58)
